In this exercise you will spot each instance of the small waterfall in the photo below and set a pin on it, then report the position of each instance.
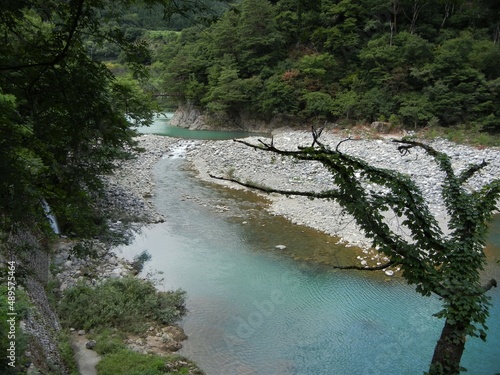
(50, 216)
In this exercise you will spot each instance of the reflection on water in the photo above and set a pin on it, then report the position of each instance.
(254, 310)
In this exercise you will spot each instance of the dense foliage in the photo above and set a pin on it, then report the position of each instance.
(411, 62)
(64, 118)
(126, 303)
(143, 20)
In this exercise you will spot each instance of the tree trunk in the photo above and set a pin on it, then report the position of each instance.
(449, 349)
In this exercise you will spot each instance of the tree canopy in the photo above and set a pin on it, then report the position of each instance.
(416, 62)
(64, 117)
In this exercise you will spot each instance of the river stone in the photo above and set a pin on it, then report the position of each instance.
(116, 273)
(90, 344)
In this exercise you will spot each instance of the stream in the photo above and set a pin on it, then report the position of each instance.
(254, 309)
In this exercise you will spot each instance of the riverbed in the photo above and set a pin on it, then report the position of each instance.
(256, 309)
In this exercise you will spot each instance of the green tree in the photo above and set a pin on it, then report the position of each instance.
(414, 108)
(455, 83)
(65, 118)
(345, 104)
(226, 90)
(318, 104)
(297, 19)
(277, 97)
(445, 265)
(259, 42)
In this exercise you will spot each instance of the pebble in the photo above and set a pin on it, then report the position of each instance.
(90, 344)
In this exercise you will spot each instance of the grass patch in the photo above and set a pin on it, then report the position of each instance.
(127, 304)
(117, 359)
(108, 342)
(66, 351)
(463, 134)
(127, 362)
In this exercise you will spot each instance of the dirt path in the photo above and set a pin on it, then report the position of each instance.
(85, 358)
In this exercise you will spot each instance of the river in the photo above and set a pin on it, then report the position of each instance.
(253, 309)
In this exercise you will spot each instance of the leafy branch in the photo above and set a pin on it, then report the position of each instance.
(448, 266)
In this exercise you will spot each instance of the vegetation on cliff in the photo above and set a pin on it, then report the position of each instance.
(413, 63)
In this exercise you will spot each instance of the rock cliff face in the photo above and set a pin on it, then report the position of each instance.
(188, 116)
(191, 117)
(29, 251)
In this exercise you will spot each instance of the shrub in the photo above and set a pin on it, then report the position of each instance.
(127, 362)
(108, 342)
(126, 304)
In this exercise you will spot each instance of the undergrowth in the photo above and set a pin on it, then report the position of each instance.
(127, 304)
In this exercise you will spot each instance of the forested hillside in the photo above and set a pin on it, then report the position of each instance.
(410, 62)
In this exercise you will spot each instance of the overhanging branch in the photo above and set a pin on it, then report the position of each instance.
(68, 43)
(468, 173)
(359, 268)
(328, 194)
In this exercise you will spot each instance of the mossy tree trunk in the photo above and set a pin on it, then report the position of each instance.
(449, 349)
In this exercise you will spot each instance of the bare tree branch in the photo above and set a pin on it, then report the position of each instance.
(342, 141)
(360, 268)
(327, 194)
(316, 134)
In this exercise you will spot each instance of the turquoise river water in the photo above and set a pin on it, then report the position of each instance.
(253, 309)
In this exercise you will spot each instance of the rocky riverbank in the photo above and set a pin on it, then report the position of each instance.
(228, 158)
(131, 188)
(127, 198)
